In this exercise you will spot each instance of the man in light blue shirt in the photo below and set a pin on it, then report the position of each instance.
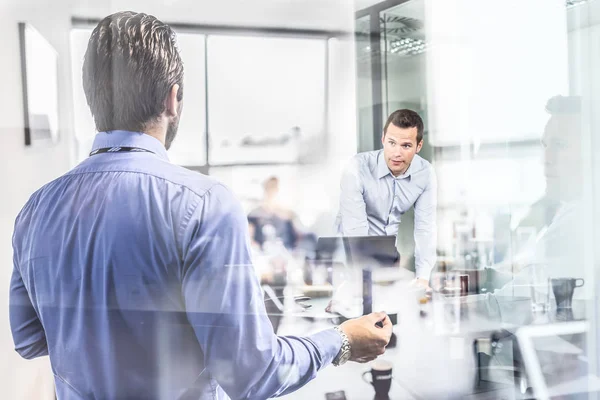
(378, 187)
(134, 275)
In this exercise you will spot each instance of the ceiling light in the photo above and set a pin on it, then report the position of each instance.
(407, 46)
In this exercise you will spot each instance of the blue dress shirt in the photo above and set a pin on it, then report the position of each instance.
(372, 202)
(134, 275)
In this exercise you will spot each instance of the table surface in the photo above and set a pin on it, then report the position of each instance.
(433, 341)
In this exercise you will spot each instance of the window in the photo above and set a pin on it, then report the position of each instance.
(266, 99)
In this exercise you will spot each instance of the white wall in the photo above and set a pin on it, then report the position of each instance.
(23, 170)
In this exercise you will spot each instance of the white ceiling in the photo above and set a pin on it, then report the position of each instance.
(299, 14)
(362, 4)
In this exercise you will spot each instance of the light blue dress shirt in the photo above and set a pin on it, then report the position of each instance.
(134, 275)
(372, 203)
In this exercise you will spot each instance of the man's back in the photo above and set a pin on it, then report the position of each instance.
(100, 253)
(135, 275)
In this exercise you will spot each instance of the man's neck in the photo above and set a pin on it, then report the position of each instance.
(156, 131)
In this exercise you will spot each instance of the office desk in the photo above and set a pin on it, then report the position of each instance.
(434, 356)
(420, 353)
(414, 370)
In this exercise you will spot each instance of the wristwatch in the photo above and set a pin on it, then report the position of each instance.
(344, 354)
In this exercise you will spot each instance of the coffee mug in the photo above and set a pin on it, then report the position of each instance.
(381, 375)
(563, 289)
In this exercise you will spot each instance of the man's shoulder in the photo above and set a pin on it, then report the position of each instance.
(202, 185)
(363, 162)
(194, 181)
(422, 163)
(422, 166)
(366, 157)
(362, 165)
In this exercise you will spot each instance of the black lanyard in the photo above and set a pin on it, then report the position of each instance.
(120, 149)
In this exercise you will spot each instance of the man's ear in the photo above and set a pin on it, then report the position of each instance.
(419, 146)
(172, 104)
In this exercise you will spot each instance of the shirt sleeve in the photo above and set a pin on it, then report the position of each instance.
(426, 228)
(353, 209)
(225, 306)
(27, 330)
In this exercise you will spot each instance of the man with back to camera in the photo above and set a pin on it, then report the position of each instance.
(379, 186)
(134, 275)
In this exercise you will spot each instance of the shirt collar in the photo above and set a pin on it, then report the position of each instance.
(130, 139)
(383, 170)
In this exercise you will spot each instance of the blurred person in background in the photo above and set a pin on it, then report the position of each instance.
(379, 186)
(271, 274)
(276, 234)
(258, 259)
(135, 275)
(272, 212)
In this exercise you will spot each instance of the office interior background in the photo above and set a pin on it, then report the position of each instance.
(294, 89)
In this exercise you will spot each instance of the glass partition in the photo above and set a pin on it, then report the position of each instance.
(280, 97)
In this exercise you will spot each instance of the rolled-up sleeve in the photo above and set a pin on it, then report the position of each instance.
(225, 307)
(353, 209)
(426, 228)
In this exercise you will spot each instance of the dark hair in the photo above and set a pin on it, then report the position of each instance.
(130, 66)
(405, 119)
(559, 105)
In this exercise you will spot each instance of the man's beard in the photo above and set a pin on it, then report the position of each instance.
(171, 132)
(172, 128)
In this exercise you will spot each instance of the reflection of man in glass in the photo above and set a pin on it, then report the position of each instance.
(556, 217)
(562, 164)
(562, 149)
(380, 186)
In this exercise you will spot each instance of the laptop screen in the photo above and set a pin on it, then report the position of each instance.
(365, 251)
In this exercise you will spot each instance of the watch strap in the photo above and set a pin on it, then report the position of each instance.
(345, 349)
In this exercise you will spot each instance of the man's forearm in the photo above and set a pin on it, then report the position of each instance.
(425, 254)
(297, 362)
(353, 210)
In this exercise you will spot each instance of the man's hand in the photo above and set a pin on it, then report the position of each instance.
(367, 340)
